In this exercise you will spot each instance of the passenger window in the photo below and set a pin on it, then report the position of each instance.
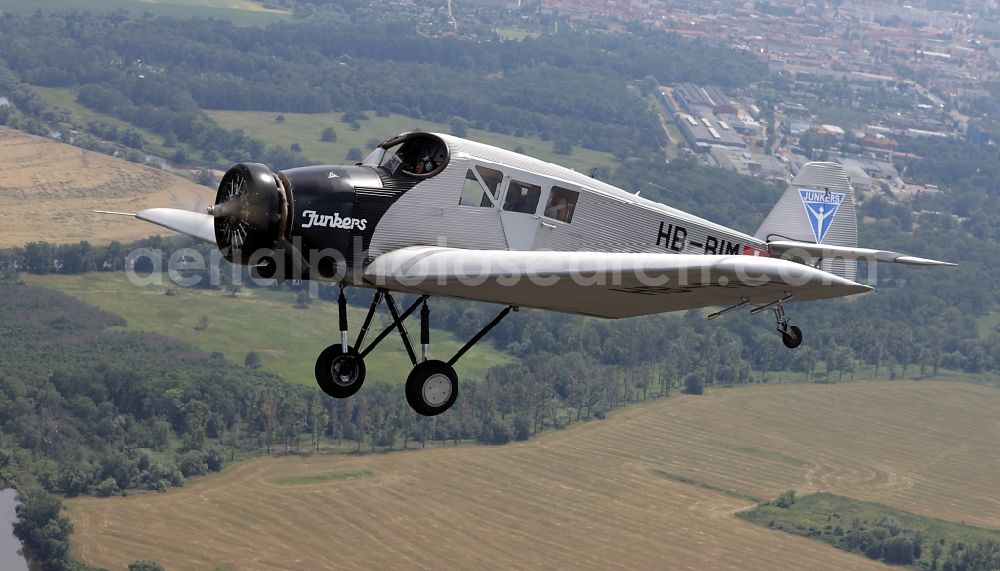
(522, 197)
(492, 179)
(561, 204)
(473, 193)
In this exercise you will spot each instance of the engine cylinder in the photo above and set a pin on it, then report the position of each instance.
(251, 211)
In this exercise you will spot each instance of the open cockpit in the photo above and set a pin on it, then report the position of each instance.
(418, 155)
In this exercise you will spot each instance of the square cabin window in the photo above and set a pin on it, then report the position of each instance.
(522, 197)
(491, 178)
(561, 204)
(473, 192)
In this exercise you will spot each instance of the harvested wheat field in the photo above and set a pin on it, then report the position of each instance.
(48, 189)
(641, 490)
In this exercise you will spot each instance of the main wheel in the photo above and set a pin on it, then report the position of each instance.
(340, 374)
(792, 338)
(432, 387)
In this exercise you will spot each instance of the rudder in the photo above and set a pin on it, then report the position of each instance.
(817, 207)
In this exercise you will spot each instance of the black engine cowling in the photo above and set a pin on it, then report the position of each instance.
(297, 223)
(251, 212)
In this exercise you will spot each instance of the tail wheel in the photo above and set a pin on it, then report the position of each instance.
(432, 387)
(792, 337)
(340, 374)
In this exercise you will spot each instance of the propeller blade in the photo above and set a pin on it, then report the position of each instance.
(132, 214)
(195, 224)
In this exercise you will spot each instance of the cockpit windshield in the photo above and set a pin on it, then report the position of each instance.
(418, 155)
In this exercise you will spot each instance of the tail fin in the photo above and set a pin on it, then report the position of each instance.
(819, 208)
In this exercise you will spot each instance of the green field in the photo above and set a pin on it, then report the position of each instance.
(81, 115)
(243, 12)
(306, 128)
(515, 34)
(830, 517)
(988, 323)
(321, 478)
(287, 338)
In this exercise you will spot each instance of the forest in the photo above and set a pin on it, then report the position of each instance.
(160, 73)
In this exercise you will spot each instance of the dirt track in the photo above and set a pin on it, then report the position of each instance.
(591, 497)
(48, 189)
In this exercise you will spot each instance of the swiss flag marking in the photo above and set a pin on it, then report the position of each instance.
(751, 251)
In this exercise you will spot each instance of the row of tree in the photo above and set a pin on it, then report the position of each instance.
(158, 73)
(921, 543)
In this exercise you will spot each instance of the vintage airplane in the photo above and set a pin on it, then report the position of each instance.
(436, 215)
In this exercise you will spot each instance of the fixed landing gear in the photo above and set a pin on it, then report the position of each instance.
(791, 335)
(340, 370)
(792, 338)
(340, 373)
(432, 385)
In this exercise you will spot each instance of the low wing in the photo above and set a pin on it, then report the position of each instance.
(809, 249)
(602, 284)
(194, 224)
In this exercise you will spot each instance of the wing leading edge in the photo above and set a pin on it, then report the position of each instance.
(603, 284)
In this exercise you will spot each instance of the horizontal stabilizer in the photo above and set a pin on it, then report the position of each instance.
(781, 248)
(194, 224)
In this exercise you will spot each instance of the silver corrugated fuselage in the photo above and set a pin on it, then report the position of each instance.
(606, 218)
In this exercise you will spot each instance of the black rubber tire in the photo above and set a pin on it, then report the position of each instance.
(331, 363)
(435, 399)
(792, 338)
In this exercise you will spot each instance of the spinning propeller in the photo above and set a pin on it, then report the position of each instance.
(250, 214)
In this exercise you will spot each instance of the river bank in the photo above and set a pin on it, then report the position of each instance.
(11, 556)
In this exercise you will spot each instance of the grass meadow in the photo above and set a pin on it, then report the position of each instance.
(287, 338)
(243, 12)
(306, 129)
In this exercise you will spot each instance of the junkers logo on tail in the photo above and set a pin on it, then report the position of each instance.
(821, 206)
(333, 221)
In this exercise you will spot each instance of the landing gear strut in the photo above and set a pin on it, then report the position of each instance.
(432, 385)
(791, 335)
(340, 370)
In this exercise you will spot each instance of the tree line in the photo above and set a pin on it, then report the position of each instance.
(159, 73)
(879, 533)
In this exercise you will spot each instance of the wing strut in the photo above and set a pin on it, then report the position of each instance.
(397, 323)
(482, 332)
(743, 301)
(760, 308)
(432, 385)
(791, 335)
